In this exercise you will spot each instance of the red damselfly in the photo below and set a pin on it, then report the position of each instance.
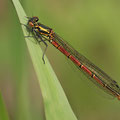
(43, 33)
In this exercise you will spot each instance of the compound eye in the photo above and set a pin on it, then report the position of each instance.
(31, 24)
(35, 19)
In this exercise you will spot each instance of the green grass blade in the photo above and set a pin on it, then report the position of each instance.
(3, 112)
(55, 102)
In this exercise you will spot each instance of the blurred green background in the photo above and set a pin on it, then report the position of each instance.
(92, 27)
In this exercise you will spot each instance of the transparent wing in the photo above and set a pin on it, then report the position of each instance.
(101, 74)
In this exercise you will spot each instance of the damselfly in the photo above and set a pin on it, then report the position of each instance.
(96, 75)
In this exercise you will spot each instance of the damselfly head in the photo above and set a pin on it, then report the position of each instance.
(34, 19)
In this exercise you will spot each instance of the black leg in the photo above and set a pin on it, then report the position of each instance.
(44, 51)
(38, 36)
(29, 31)
(24, 25)
(46, 45)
